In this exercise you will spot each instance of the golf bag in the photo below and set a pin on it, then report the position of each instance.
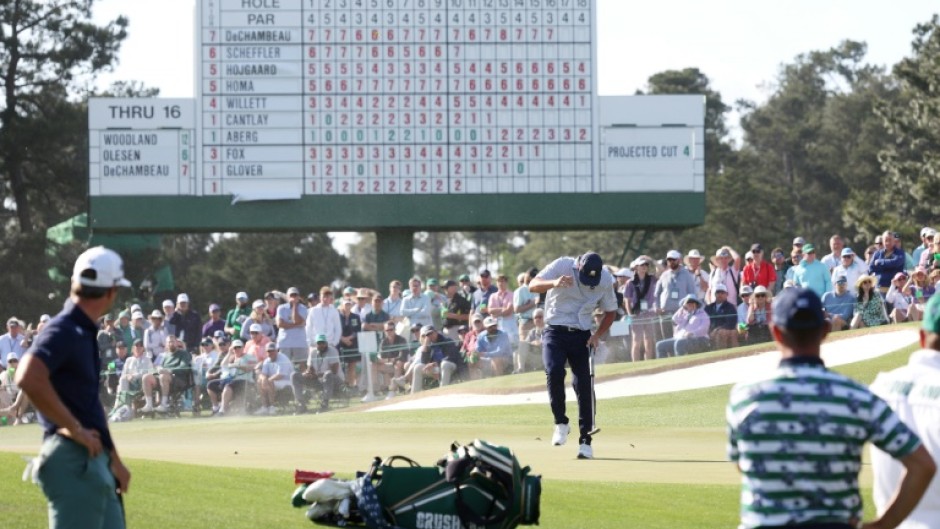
(477, 486)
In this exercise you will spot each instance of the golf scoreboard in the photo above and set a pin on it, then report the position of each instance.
(308, 99)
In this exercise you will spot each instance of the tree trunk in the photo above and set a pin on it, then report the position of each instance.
(23, 212)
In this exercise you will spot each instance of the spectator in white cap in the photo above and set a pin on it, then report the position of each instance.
(746, 293)
(260, 317)
(623, 276)
(638, 300)
(138, 325)
(12, 341)
(187, 323)
(273, 377)
(494, 349)
(759, 316)
(797, 248)
(169, 310)
(155, 336)
(691, 330)
(693, 260)
(926, 238)
(257, 341)
(12, 403)
(237, 315)
(530, 349)
(675, 283)
(727, 272)
(723, 330)
(292, 320)
(839, 304)
(928, 256)
(214, 323)
(850, 267)
(237, 369)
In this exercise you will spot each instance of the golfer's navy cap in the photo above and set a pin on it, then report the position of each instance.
(798, 309)
(590, 266)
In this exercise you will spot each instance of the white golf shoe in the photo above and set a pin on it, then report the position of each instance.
(585, 451)
(560, 436)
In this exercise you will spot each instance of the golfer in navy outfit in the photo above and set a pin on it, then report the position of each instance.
(78, 467)
(575, 286)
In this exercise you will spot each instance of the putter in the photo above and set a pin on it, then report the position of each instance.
(594, 428)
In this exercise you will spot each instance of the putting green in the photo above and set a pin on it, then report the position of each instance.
(650, 447)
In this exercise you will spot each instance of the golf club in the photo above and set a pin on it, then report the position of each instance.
(594, 428)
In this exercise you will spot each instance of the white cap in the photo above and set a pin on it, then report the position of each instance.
(182, 298)
(258, 304)
(12, 356)
(255, 327)
(136, 308)
(137, 314)
(99, 267)
(490, 321)
(168, 303)
(624, 272)
(673, 254)
(695, 254)
(44, 318)
(799, 240)
(748, 255)
(760, 289)
(241, 296)
(238, 343)
(156, 314)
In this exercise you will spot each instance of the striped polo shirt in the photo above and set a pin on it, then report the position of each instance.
(797, 437)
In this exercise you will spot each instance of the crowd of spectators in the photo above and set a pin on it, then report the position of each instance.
(284, 348)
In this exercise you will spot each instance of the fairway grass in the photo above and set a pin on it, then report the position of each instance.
(660, 461)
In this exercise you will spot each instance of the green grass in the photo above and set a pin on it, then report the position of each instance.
(660, 460)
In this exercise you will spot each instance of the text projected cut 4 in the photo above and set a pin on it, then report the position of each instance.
(387, 97)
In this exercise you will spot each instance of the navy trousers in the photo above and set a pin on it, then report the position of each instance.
(558, 347)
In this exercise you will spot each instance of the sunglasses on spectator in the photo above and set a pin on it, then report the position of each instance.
(760, 295)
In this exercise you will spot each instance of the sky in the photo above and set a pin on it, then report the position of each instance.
(738, 44)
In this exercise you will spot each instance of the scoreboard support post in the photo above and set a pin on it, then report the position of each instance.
(394, 250)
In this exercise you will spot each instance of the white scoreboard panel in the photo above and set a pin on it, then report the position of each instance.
(388, 97)
(141, 146)
(652, 144)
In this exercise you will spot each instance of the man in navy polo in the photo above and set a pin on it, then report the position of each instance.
(575, 288)
(59, 374)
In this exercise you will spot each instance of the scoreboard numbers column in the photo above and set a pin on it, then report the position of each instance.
(211, 104)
